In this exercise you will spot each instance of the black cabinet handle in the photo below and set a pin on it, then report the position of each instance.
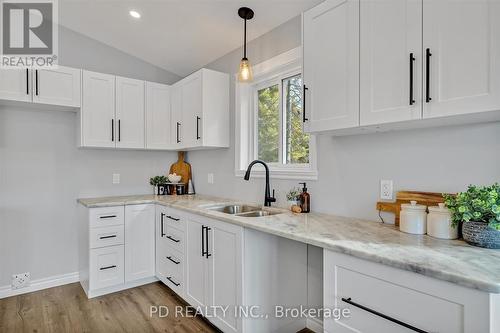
(428, 55)
(169, 278)
(413, 328)
(173, 218)
(112, 130)
(106, 237)
(27, 82)
(119, 130)
(36, 82)
(172, 260)
(412, 60)
(207, 229)
(178, 125)
(203, 240)
(304, 118)
(107, 267)
(198, 128)
(173, 239)
(161, 225)
(107, 216)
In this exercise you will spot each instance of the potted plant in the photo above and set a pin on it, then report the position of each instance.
(293, 196)
(156, 182)
(478, 209)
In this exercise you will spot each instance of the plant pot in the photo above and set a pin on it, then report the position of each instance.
(293, 203)
(480, 234)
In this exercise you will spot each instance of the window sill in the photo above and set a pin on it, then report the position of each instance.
(282, 173)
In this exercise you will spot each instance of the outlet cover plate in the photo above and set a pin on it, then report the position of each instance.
(116, 178)
(386, 189)
(21, 280)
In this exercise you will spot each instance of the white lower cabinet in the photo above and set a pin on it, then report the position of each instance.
(116, 248)
(385, 299)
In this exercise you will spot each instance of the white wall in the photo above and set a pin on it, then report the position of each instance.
(350, 168)
(42, 172)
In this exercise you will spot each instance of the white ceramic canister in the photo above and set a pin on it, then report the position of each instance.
(439, 223)
(413, 218)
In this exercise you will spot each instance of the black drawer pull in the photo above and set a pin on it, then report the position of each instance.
(161, 225)
(412, 60)
(107, 267)
(169, 278)
(27, 82)
(173, 239)
(304, 93)
(106, 237)
(428, 55)
(173, 218)
(107, 217)
(172, 260)
(413, 328)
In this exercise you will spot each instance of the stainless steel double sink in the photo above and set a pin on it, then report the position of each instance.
(243, 210)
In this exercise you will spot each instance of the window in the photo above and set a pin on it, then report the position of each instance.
(280, 138)
(269, 123)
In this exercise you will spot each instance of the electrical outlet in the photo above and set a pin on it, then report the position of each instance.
(210, 178)
(21, 280)
(116, 178)
(386, 189)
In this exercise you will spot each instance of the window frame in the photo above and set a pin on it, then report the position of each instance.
(266, 74)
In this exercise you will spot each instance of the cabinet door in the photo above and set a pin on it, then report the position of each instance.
(176, 128)
(59, 86)
(157, 116)
(192, 110)
(15, 84)
(196, 281)
(331, 65)
(463, 38)
(390, 61)
(225, 272)
(130, 113)
(98, 110)
(139, 242)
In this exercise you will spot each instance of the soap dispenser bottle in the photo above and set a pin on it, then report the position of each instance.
(305, 199)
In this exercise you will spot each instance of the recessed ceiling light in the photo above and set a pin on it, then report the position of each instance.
(134, 14)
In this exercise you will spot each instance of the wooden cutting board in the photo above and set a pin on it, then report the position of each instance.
(402, 197)
(181, 168)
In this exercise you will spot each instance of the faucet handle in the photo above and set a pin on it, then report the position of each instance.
(272, 198)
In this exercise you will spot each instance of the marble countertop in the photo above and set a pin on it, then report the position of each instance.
(449, 260)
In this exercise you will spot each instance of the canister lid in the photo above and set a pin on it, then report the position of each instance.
(413, 206)
(439, 209)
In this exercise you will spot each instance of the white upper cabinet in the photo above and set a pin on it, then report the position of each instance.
(390, 61)
(139, 242)
(200, 111)
(97, 115)
(15, 85)
(58, 86)
(158, 114)
(130, 113)
(463, 39)
(331, 65)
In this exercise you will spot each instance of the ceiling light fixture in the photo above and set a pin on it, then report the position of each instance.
(245, 72)
(134, 14)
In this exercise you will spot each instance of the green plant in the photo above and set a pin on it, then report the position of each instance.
(479, 204)
(293, 194)
(158, 180)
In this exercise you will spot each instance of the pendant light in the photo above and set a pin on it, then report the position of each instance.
(245, 72)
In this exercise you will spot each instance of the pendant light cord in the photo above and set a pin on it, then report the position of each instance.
(245, 41)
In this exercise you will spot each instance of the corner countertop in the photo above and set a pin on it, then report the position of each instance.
(449, 260)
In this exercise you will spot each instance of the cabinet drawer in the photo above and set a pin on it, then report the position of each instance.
(106, 236)
(412, 307)
(106, 216)
(174, 263)
(174, 239)
(106, 267)
(173, 219)
(174, 283)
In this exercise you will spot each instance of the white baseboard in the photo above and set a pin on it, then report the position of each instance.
(315, 325)
(120, 287)
(49, 282)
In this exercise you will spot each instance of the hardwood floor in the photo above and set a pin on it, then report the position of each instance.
(67, 309)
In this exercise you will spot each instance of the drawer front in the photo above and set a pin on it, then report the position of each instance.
(106, 267)
(409, 306)
(172, 218)
(106, 236)
(106, 216)
(174, 263)
(174, 239)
